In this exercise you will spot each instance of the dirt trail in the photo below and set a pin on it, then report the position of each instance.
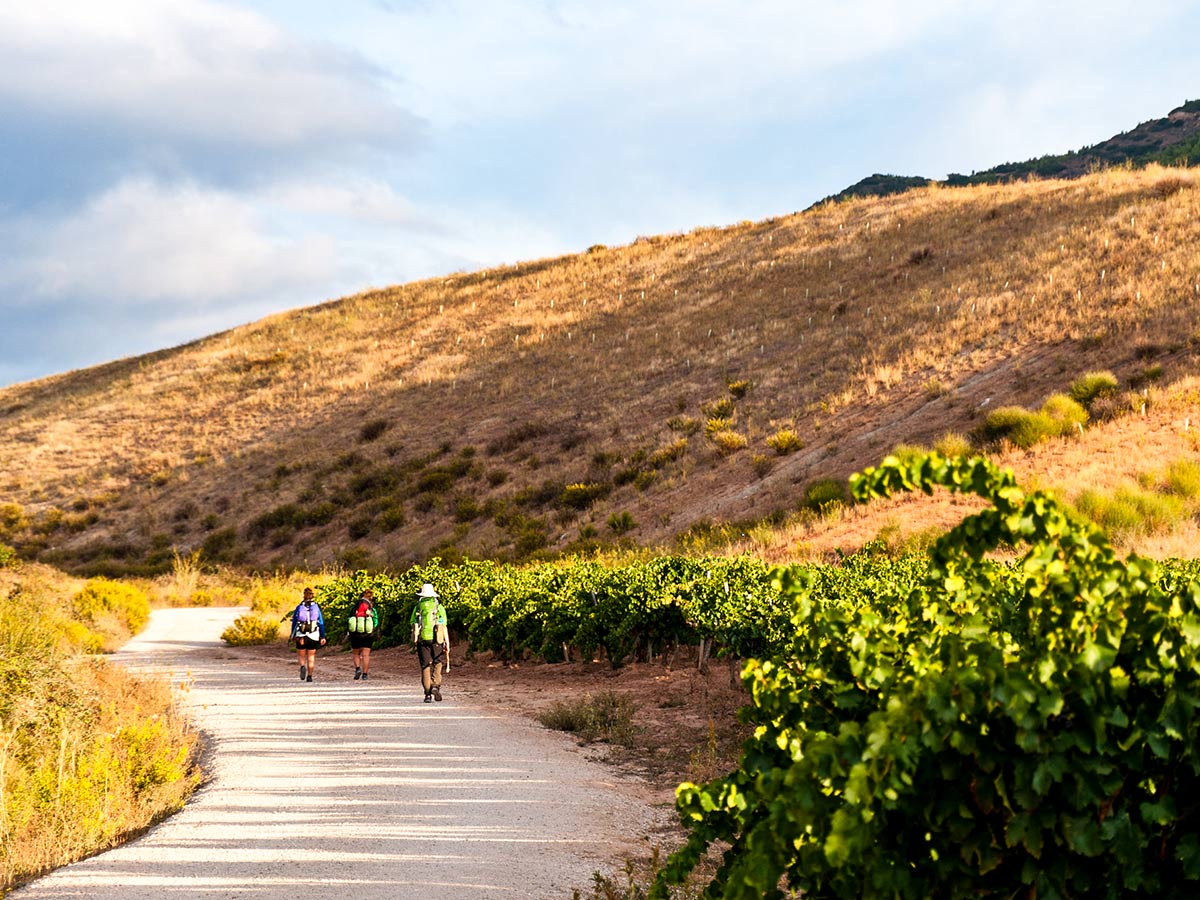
(358, 790)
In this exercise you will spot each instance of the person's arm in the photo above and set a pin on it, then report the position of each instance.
(295, 623)
(412, 621)
(321, 623)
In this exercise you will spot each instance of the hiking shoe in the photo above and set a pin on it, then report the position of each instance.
(364, 678)
(437, 694)
(358, 674)
(429, 698)
(309, 678)
(303, 672)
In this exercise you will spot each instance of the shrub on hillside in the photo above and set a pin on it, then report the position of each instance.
(102, 599)
(721, 408)
(685, 425)
(582, 494)
(1183, 478)
(603, 716)
(1131, 511)
(824, 494)
(953, 444)
(785, 441)
(373, 430)
(738, 389)
(1059, 415)
(252, 630)
(727, 441)
(8, 556)
(1091, 385)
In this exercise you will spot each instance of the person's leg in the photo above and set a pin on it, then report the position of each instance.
(425, 655)
(438, 661)
(366, 661)
(300, 653)
(312, 663)
(358, 663)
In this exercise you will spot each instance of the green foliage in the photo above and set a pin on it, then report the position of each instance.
(373, 430)
(620, 523)
(990, 731)
(785, 441)
(102, 599)
(685, 425)
(739, 388)
(721, 408)
(825, 494)
(1183, 478)
(1091, 385)
(1059, 415)
(8, 556)
(252, 630)
(727, 441)
(953, 444)
(603, 716)
(582, 494)
(1131, 510)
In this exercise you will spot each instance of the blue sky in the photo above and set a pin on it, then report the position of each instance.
(170, 168)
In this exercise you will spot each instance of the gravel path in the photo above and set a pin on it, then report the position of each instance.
(358, 790)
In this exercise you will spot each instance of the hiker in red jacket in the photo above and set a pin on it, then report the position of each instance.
(363, 626)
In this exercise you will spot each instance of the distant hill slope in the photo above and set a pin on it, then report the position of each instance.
(1171, 140)
(623, 394)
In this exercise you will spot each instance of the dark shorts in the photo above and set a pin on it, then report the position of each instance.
(430, 653)
(360, 641)
(307, 643)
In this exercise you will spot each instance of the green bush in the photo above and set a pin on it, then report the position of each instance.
(738, 389)
(1091, 385)
(1183, 478)
(953, 444)
(685, 425)
(821, 495)
(621, 523)
(995, 732)
(8, 556)
(582, 494)
(721, 408)
(727, 442)
(1131, 510)
(252, 630)
(785, 441)
(1023, 428)
(101, 599)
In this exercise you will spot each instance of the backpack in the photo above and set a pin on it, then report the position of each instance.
(428, 612)
(308, 616)
(363, 620)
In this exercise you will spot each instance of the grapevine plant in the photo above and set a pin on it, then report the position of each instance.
(1012, 731)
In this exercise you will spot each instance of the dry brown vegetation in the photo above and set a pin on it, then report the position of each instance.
(450, 415)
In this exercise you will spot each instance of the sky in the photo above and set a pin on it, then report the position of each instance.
(172, 168)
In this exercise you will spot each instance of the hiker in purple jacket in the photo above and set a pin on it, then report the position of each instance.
(308, 631)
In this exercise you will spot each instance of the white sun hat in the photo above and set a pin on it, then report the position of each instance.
(427, 591)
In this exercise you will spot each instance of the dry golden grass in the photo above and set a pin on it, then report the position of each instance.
(858, 326)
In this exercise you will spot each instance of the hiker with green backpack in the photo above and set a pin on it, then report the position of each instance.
(361, 628)
(432, 639)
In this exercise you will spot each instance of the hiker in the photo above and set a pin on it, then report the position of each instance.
(308, 631)
(432, 640)
(363, 626)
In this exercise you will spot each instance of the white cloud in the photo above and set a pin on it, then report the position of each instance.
(191, 71)
(143, 242)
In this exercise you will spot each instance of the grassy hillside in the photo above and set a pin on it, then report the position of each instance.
(632, 394)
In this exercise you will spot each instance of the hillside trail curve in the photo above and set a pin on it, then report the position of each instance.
(358, 790)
